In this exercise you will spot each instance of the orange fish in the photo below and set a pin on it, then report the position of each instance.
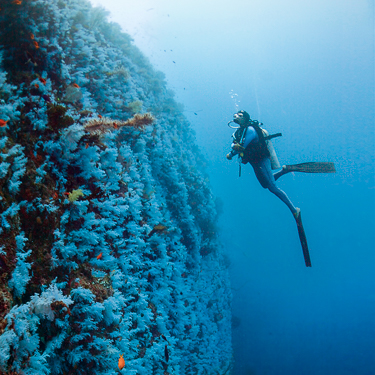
(121, 362)
(87, 145)
(32, 36)
(159, 227)
(17, 2)
(115, 125)
(100, 116)
(36, 44)
(42, 80)
(36, 85)
(75, 85)
(99, 256)
(3, 123)
(55, 195)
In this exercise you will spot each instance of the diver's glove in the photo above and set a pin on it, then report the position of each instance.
(231, 154)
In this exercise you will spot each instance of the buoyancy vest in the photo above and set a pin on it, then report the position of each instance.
(254, 151)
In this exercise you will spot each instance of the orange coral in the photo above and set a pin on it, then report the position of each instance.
(104, 124)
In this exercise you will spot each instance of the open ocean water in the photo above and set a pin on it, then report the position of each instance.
(305, 70)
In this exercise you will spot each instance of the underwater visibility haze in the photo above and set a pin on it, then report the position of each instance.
(129, 242)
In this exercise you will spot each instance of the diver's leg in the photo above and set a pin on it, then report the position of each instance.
(265, 176)
(261, 174)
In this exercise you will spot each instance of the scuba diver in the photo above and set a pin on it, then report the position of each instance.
(252, 145)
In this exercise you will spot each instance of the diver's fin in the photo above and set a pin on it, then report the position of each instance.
(302, 237)
(311, 167)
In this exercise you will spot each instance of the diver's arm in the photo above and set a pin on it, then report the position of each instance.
(250, 136)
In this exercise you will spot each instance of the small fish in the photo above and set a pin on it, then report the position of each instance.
(46, 98)
(36, 44)
(98, 257)
(75, 85)
(3, 123)
(30, 58)
(32, 36)
(115, 125)
(42, 80)
(36, 85)
(17, 2)
(55, 195)
(121, 362)
(159, 227)
(166, 353)
(174, 62)
(100, 116)
(87, 145)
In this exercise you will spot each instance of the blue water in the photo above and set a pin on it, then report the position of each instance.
(306, 70)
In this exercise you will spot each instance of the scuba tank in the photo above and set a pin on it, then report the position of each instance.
(273, 157)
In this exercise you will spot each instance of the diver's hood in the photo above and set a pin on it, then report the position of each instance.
(240, 118)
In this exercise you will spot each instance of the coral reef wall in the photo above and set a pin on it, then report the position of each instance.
(108, 242)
